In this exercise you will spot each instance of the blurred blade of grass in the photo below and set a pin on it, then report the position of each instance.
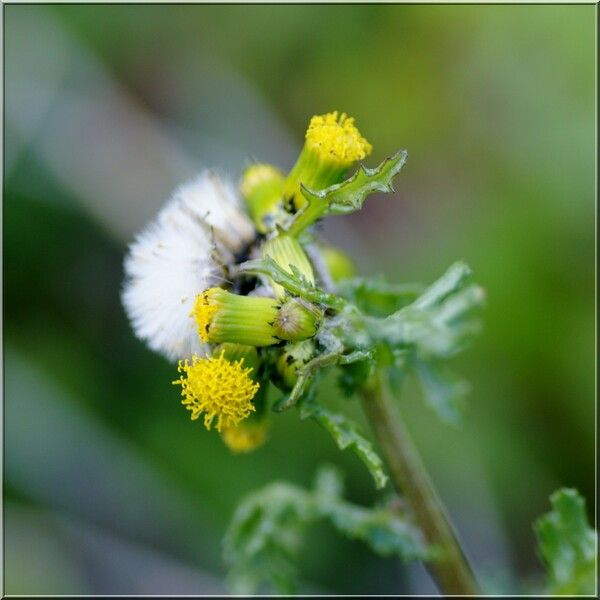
(59, 454)
(53, 552)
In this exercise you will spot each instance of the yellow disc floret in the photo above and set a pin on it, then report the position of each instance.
(218, 388)
(334, 136)
(245, 437)
(203, 312)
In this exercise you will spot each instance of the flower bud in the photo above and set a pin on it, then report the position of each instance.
(262, 189)
(287, 251)
(338, 263)
(246, 436)
(225, 317)
(333, 144)
(297, 320)
(292, 357)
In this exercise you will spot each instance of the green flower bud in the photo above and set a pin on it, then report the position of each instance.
(292, 358)
(297, 320)
(286, 250)
(262, 189)
(338, 263)
(333, 144)
(225, 317)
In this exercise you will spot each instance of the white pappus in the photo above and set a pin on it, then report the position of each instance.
(183, 252)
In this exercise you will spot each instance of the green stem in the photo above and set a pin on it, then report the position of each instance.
(450, 569)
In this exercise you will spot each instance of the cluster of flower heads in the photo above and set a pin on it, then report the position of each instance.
(182, 300)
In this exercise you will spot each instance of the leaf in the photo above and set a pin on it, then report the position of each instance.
(443, 390)
(293, 281)
(265, 534)
(352, 377)
(451, 281)
(348, 196)
(567, 545)
(436, 325)
(264, 537)
(346, 435)
(377, 297)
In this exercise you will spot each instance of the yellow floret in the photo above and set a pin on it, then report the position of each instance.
(220, 389)
(245, 437)
(335, 136)
(204, 311)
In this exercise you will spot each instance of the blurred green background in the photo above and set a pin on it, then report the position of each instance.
(109, 488)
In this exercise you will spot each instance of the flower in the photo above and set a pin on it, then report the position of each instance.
(332, 145)
(218, 388)
(184, 251)
(335, 138)
(246, 436)
(225, 317)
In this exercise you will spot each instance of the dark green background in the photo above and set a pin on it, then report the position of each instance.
(109, 488)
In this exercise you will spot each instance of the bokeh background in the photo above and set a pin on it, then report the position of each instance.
(109, 488)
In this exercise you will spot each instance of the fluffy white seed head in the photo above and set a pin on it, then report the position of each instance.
(179, 255)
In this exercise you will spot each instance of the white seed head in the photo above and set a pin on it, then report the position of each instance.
(183, 252)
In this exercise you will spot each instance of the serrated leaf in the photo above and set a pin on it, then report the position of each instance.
(265, 534)
(346, 435)
(293, 281)
(348, 196)
(567, 545)
(438, 323)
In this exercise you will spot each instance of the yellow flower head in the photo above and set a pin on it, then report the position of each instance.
(334, 136)
(221, 389)
(333, 144)
(245, 437)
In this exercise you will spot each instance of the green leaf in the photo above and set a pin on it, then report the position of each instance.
(436, 325)
(567, 545)
(375, 296)
(292, 281)
(352, 377)
(444, 391)
(264, 537)
(451, 281)
(348, 196)
(346, 435)
(265, 534)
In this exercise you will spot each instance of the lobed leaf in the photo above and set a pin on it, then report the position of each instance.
(348, 196)
(568, 545)
(265, 534)
(346, 435)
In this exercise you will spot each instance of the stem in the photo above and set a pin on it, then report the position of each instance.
(450, 569)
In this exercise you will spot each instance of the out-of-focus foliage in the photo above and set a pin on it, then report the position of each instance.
(265, 534)
(568, 545)
(109, 107)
